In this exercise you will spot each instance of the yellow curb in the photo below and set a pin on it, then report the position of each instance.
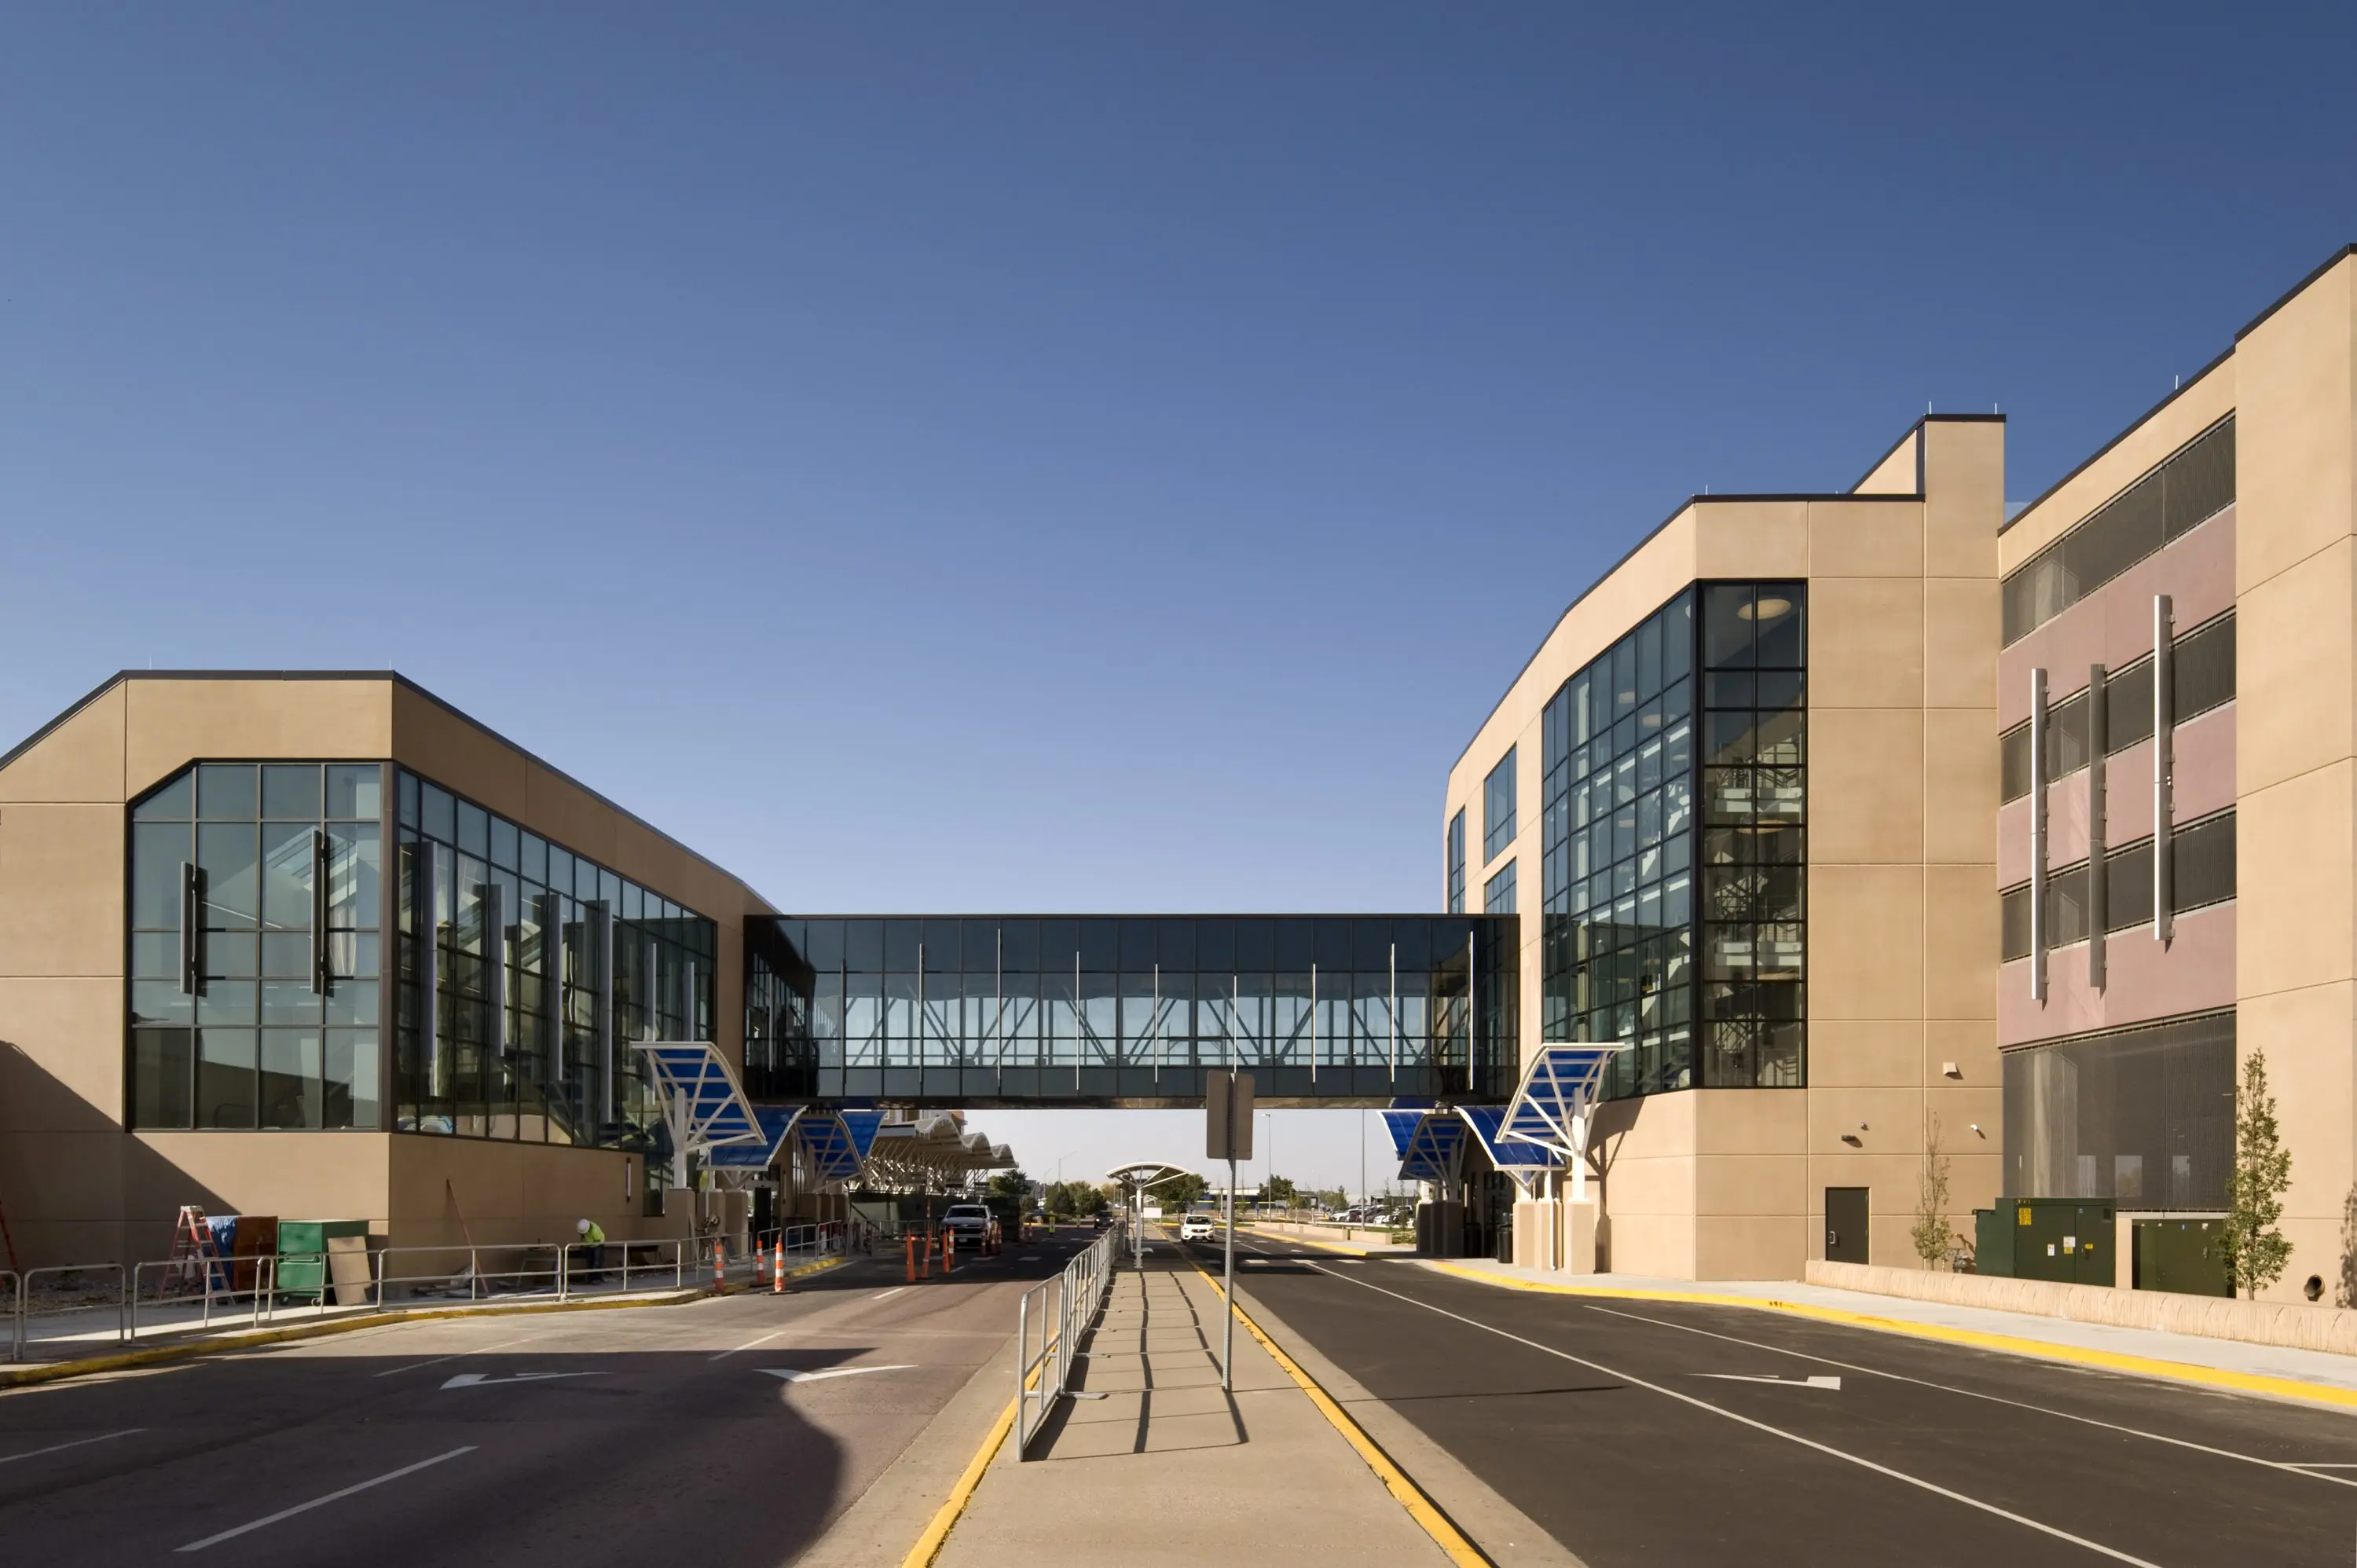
(1409, 1496)
(2046, 1349)
(56, 1371)
(928, 1545)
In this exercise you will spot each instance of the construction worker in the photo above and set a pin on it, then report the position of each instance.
(593, 1237)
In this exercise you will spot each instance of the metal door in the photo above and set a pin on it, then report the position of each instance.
(1846, 1212)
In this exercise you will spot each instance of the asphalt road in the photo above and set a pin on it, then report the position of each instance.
(719, 1433)
(1667, 1433)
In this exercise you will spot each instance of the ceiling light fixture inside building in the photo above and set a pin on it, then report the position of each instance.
(1768, 609)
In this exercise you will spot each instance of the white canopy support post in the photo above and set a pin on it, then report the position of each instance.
(1580, 1104)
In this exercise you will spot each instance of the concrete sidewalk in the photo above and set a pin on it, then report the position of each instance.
(1166, 1467)
(2330, 1377)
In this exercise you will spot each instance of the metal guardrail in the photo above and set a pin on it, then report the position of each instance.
(213, 1289)
(1043, 1376)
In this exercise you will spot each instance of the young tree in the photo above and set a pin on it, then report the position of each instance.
(1930, 1233)
(2255, 1250)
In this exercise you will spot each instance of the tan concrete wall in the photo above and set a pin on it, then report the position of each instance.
(2294, 1324)
(170, 723)
(61, 990)
(1903, 813)
(442, 1190)
(2296, 581)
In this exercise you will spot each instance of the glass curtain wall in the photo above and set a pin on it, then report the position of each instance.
(1095, 1010)
(255, 903)
(1617, 931)
(525, 970)
(1620, 920)
(1754, 854)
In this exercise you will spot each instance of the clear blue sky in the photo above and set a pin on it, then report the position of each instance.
(1057, 457)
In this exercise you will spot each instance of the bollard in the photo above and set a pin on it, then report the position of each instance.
(719, 1266)
(777, 1280)
(911, 1240)
(949, 1250)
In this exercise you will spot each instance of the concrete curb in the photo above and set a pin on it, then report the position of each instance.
(24, 1376)
(2010, 1344)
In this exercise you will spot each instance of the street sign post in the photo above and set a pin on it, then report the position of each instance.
(1228, 1136)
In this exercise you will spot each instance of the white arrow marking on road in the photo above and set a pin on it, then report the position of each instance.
(794, 1377)
(1787, 1382)
(478, 1379)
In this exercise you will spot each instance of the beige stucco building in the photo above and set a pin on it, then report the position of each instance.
(266, 1077)
(1790, 916)
(2001, 781)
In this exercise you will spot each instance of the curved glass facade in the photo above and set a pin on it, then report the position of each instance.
(1131, 1009)
(1704, 701)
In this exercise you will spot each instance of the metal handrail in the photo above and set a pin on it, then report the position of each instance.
(22, 1311)
(210, 1283)
(1044, 1376)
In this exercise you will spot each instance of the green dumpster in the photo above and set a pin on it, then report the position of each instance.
(302, 1253)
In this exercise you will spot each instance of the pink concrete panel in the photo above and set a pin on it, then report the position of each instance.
(2112, 625)
(2146, 981)
(2205, 783)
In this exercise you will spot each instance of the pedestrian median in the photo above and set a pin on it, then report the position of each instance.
(2315, 1377)
(1152, 1461)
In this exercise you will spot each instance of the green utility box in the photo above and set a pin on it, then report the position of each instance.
(2180, 1255)
(303, 1252)
(1993, 1242)
(2067, 1240)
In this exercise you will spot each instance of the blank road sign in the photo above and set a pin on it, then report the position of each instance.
(1227, 1116)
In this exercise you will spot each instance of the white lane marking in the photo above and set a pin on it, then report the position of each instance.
(485, 1381)
(1993, 1399)
(1780, 1382)
(748, 1344)
(331, 1496)
(61, 1447)
(789, 1375)
(421, 1365)
(879, 1295)
(1825, 1448)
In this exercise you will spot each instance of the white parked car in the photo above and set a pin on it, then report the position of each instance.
(1196, 1228)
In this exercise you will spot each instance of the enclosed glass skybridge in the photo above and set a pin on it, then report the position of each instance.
(1023, 1010)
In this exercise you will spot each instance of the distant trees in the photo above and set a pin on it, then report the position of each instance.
(1072, 1199)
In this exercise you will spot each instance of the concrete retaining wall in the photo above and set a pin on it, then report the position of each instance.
(2293, 1325)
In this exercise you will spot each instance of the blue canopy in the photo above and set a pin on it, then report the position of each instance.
(838, 1139)
(1559, 1079)
(706, 1109)
(776, 1122)
(1432, 1146)
(1505, 1154)
(1402, 1126)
